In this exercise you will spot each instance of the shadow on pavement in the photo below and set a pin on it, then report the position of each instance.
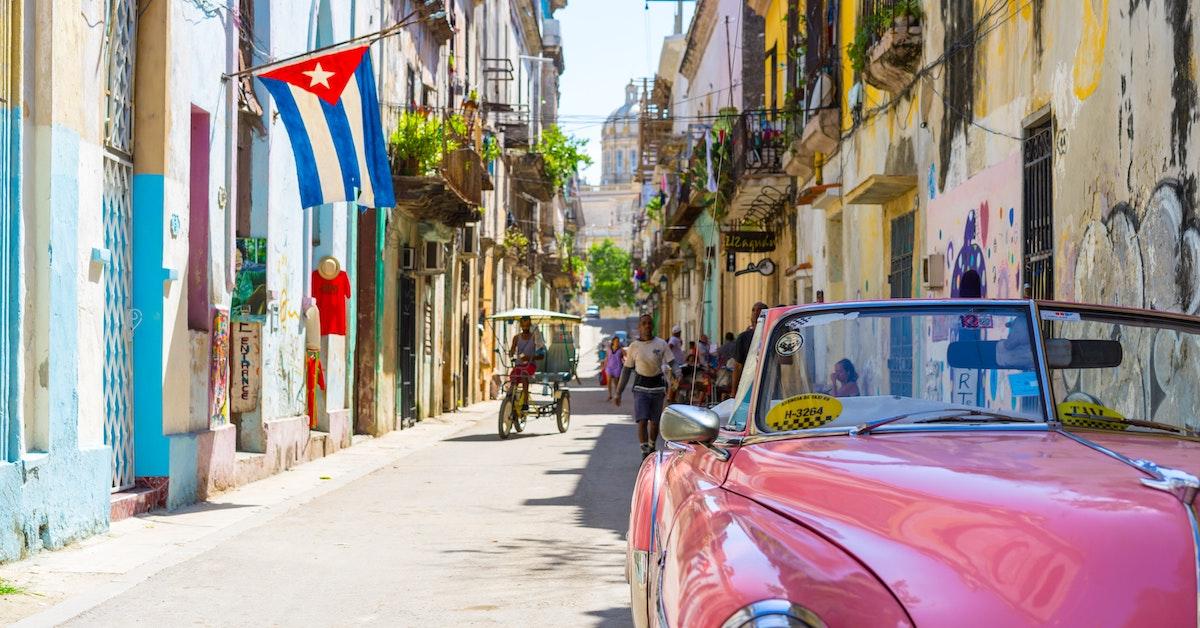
(612, 617)
(493, 436)
(601, 496)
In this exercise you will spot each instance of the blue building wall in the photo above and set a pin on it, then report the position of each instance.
(51, 498)
(151, 457)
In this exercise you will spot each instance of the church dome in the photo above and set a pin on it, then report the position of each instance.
(629, 111)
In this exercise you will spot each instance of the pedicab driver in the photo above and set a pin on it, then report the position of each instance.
(649, 361)
(527, 348)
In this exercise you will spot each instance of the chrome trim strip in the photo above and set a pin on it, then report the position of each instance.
(769, 608)
(1191, 513)
(816, 432)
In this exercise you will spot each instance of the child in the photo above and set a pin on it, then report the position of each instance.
(613, 364)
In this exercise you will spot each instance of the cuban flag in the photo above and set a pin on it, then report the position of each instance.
(328, 105)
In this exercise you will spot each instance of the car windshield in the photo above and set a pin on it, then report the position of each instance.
(843, 368)
(1108, 365)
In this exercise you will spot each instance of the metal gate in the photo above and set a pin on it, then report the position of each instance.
(118, 202)
(1038, 213)
(900, 278)
(408, 350)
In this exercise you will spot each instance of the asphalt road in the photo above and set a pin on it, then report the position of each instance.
(468, 531)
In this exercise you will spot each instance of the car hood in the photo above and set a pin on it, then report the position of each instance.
(1004, 528)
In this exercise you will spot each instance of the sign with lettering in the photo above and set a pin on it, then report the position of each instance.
(247, 366)
(750, 241)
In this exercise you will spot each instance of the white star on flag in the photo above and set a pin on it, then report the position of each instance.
(318, 76)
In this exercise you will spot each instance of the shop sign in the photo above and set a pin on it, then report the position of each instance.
(750, 241)
(247, 366)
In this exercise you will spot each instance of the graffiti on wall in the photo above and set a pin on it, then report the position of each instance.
(1144, 257)
(977, 226)
(1147, 258)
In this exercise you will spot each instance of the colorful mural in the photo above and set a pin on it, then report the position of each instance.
(977, 226)
(218, 406)
(250, 292)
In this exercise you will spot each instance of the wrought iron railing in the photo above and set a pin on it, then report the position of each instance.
(759, 142)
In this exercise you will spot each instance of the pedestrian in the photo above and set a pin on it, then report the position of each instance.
(676, 344)
(649, 362)
(613, 365)
(707, 356)
(726, 351)
(742, 350)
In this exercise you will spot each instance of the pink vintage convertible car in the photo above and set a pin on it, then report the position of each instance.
(933, 463)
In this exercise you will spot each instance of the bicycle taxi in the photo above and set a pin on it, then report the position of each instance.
(546, 394)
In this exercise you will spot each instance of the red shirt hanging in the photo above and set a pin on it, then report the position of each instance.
(331, 295)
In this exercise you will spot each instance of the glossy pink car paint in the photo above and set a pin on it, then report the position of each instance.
(983, 528)
(1008, 529)
(726, 550)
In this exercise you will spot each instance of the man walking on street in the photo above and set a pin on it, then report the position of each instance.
(649, 361)
(742, 350)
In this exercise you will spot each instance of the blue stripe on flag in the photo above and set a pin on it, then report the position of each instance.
(343, 143)
(306, 164)
(376, 159)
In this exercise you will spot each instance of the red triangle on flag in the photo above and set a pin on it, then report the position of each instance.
(324, 75)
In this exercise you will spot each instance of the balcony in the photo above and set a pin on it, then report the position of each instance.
(439, 27)
(529, 176)
(681, 211)
(450, 196)
(890, 30)
(759, 145)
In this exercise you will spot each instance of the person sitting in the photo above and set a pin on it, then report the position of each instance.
(527, 348)
(844, 379)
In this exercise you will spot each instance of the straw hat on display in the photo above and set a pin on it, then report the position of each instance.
(329, 268)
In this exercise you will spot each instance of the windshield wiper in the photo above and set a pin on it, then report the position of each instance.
(979, 416)
(866, 428)
(1154, 425)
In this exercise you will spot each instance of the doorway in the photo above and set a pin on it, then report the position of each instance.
(407, 354)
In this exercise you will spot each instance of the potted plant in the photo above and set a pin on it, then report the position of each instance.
(415, 144)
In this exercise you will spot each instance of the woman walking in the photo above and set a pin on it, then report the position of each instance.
(613, 364)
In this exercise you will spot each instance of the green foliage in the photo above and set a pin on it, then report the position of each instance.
(610, 267)
(654, 209)
(870, 28)
(424, 138)
(9, 589)
(571, 263)
(515, 240)
(717, 203)
(491, 149)
(564, 154)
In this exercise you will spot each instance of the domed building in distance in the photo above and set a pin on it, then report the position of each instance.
(619, 140)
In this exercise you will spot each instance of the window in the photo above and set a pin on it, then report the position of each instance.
(900, 278)
(1038, 216)
(620, 162)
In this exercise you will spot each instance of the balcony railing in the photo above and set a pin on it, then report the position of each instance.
(759, 142)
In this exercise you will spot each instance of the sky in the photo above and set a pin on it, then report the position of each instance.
(606, 43)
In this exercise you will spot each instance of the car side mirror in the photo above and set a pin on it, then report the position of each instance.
(689, 424)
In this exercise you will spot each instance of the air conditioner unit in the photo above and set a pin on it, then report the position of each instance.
(934, 270)
(468, 241)
(433, 259)
(407, 258)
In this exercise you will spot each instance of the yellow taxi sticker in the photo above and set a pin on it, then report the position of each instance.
(803, 412)
(1090, 415)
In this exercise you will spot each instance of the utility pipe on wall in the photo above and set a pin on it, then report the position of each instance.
(233, 18)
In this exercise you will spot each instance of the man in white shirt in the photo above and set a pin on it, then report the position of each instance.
(649, 362)
(676, 344)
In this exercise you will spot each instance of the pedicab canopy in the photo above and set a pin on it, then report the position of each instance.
(535, 316)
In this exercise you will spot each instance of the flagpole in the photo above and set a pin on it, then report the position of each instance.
(372, 36)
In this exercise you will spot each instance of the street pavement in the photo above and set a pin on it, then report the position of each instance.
(463, 530)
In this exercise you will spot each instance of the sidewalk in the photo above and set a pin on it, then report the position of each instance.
(60, 585)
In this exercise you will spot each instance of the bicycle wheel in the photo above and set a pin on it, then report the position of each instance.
(506, 416)
(521, 414)
(564, 412)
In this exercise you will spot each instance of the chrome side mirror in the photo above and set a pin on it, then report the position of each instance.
(689, 424)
